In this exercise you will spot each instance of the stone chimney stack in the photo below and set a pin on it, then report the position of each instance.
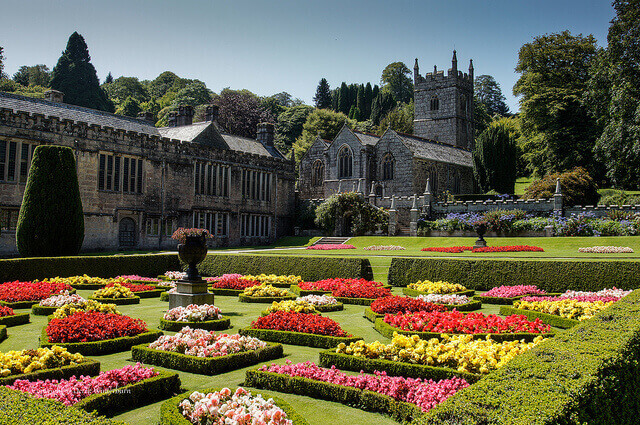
(266, 131)
(54, 96)
(172, 120)
(146, 116)
(211, 113)
(185, 115)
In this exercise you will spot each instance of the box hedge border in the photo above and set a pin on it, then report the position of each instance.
(164, 297)
(89, 367)
(226, 292)
(414, 293)
(550, 319)
(484, 274)
(362, 399)
(509, 301)
(342, 361)
(3, 333)
(298, 338)
(470, 306)
(309, 268)
(15, 320)
(249, 299)
(205, 365)
(153, 293)
(132, 396)
(587, 374)
(17, 305)
(42, 310)
(210, 325)
(320, 308)
(107, 346)
(387, 330)
(117, 301)
(170, 413)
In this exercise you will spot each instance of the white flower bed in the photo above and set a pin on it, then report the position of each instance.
(452, 299)
(613, 292)
(203, 343)
(318, 299)
(62, 299)
(606, 249)
(175, 275)
(383, 248)
(193, 313)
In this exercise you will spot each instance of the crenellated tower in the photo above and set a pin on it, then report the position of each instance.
(444, 105)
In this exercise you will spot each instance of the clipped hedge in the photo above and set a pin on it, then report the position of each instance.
(486, 274)
(117, 301)
(387, 330)
(107, 346)
(131, 396)
(89, 367)
(356, 301)
(3, 333)
(164, 297)
(550, 319)
(587, 374)
(248, 299)
(298, 338)
(205, 365)
(319, 308)
(509, 301)
(365, 400)
(21, 408)
(27, 269)
(414, 293)
(309, 268)
(170, 412)
(210, 325)
(42, 310)
(15, 320)
(341, 361)
(152, 293)
(226, 292)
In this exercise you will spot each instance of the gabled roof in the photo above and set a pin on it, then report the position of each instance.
(244, 144)
(366, 138)
(435, 151)
(184, 132)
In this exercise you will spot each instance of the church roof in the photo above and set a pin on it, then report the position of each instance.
(366, 138)
(435, 151)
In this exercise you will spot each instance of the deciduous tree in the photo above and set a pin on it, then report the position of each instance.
(395, 80)
(488, 91)
(494, 159)
(323, 122)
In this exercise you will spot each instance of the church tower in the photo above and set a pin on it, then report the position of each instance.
(444, 105)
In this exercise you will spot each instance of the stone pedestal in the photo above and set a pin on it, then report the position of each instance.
(480, 243)
(190, 292)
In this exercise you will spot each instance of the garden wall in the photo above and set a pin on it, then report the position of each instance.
(550, 275)
(587, 374)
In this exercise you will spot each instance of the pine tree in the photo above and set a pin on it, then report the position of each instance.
(322, 98)
(352, 111)
(75, 76)
(360, 99)
(109, 78)
(335, 96)
(343, 99)
(368, 98)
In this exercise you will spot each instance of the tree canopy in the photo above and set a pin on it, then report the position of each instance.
(487, 91)
(37, 75)
(494, 159)
(289, 126)
(322, 122)
(322, 99)
(240, 112)
(395, 80)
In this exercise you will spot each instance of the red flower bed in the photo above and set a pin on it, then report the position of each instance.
(299, 322)
(6, 311)
(350, 288)
(12, 292)
(330, 246)
(361, 291)
(472, 323)
(234, 283)
(506, 248)
(453, 249)
(134, 287)
(93, 326)
(394, 304)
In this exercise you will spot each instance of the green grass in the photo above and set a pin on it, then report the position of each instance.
(521, 185)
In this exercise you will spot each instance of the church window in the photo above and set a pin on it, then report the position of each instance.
(345, 163)
(317, 173)
(435, 103)
(433, 179)
(387, 167)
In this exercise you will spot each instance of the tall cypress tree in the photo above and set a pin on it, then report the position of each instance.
(75, 76)
(368, 98)
(360, 99)
(322, 98)
(343, 99)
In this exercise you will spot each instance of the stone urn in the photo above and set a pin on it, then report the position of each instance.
(481, 229)
(192, 252)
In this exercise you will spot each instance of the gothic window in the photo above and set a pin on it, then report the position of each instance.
(317, 173)
(435, 103)
(454, 181)
(387, 167)
(433, 179)
(345, 163)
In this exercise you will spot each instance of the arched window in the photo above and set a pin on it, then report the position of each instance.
(433, 179)
(463, 104)
(317, 173)
(435, 103)
(387, 167)
(345, 163)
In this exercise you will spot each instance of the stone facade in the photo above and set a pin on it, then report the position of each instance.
(139, 183)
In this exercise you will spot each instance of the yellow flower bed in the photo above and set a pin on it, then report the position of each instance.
(439, 287)
(460, 352)
(567, 308)
(27, 361)
(272, 279)
(84, 280)
(115, 291)
(297, 306)
(90, 305)
(265, 291)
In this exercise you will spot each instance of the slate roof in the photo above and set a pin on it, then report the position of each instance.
(244, 144)
(435, 151)
(184, 132)
(366, 139)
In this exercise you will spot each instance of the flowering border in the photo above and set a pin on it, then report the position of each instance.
(205, 365)
(304, 292)
(106, 346)
(549, 319)
(210, 325)
(321, 308)
(88, 367)
(27, 304)
(470, 306)
(249, 299)
(350, 396)
(387, 330)
(170, 412)
(298, 338)
(505, 300)
(15, 320)
(414, 293)
(117, 301)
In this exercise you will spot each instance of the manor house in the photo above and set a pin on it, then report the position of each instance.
(400, 164)
(138, 183)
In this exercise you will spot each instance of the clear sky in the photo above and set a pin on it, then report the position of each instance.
(273, 46)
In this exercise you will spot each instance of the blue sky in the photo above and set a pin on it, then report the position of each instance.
(273, 46)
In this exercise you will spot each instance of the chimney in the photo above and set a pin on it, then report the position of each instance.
(265, 133)
(211, 113)
(185, 115)
(146, 116)
(173, 119)
(53, 96)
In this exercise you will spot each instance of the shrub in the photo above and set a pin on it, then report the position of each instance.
(578, 188)
(51, 221)
(494, 159)
(365, 217)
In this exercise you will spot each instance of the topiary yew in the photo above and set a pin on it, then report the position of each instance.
(51, 220)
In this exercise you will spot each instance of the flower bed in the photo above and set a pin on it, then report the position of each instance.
(449, 249)
(9, 318)
(323, 303)
(140, 290)
(384, 248)
(550, 319)
(507, 248)
(265, 294)
(565, 307)
(18, 294)
(117, 301)
(439, 287)
(90, 305)
(607, 250)
(50, 305)
(451, 301)
(136, 278)
(117, 294)
(196, 316)
(203, 352)
(603, 293)
(348, 291)
(397, 304)
(279, 281)
(81, 282)
(296, 306)
(508, 294)
(330, 246)
(171, 412)
(232, 284)
(174, 275)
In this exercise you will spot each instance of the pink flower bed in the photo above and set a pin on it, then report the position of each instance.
(140, 278)
(330, 246)
(426, 394)
(72, 390)
(203, 343)
(584, 299)
(513, 291)
(604, 295)
(223, 277)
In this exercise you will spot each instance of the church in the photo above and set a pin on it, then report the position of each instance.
(398, 164)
